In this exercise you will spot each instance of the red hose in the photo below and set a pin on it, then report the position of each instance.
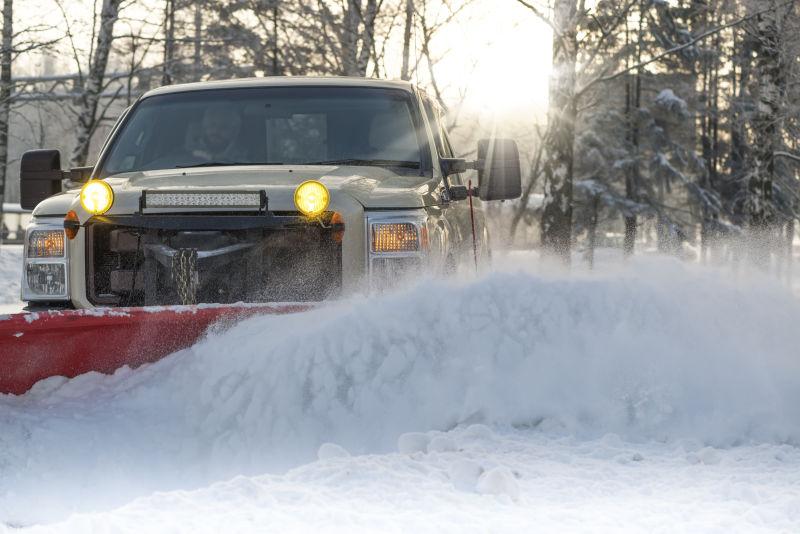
(472, 218)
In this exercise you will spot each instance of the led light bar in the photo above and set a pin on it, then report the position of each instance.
(203, 199)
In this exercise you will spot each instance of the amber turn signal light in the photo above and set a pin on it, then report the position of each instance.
(71, 224)
(337, 221)
(395, 237)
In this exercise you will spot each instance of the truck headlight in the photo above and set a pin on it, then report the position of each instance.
(46, 279)
(45, 274)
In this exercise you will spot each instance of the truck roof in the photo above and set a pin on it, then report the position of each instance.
(282, 81)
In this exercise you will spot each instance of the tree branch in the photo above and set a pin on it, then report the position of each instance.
(787, 155)
(672, 50)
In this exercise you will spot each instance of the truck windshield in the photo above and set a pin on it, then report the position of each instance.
(269, 126)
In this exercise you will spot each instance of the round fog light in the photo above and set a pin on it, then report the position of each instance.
(97, 197)
(311, 198)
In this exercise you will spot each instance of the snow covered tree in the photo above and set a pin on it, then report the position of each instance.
(768, 89)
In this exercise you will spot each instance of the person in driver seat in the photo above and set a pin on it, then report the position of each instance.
(218, 139)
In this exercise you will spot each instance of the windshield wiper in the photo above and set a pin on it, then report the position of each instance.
(369, 163)
(227, 164)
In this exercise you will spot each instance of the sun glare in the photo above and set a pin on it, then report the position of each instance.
(501, 59)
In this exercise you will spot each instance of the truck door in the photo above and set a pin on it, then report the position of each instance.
(457, 212)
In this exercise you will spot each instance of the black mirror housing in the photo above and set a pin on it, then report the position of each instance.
(40, 176)
(453, 166)
(459, 192)
(80, 175)
(499, 175)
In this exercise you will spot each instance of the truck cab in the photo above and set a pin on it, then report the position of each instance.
(259, 190)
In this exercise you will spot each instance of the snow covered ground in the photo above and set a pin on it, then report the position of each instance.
(10, 273)
(653, 397)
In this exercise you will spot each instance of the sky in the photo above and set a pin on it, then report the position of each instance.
(501, 54)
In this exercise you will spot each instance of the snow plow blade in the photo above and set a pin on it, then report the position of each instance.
(38, 345)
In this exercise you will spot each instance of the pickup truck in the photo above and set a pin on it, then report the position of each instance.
(259, 190)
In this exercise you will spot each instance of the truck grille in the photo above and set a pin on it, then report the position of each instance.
(144, 266)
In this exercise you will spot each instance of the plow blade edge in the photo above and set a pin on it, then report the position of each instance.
(34, 346)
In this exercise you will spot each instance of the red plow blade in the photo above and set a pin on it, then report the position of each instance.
(34, 346)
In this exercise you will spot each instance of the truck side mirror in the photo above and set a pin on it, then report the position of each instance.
(499, 176)
(76, 177)
(39, 176)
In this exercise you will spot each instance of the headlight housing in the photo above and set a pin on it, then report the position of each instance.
(45, 273)
(45, 244)
(397, 246)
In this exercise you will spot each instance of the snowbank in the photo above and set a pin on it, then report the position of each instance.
(656, 353)
(10, 273)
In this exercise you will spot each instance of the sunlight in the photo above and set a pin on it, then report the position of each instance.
(503, 62)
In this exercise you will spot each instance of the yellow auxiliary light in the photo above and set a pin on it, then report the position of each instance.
(311, 198)
(97, 197)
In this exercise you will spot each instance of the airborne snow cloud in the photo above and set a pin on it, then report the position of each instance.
(659, 351)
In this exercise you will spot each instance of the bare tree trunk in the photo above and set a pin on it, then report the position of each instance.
(592, 231)
(558, 163)
(349, 38)
(789, 251)
(367, 37)
(169, 42)
(738, 84)
(704, 125)
(198, 41)
(405, 72)
(632, 174)
(276, 62)
(768, 88)
(633, 101)
(5, 96)
(358, 28)
(131, 72)
(87, 111)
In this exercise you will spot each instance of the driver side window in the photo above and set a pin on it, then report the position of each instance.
(443, 146)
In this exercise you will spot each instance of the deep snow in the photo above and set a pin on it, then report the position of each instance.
(10, 273)
(659, 396)
(501, 480)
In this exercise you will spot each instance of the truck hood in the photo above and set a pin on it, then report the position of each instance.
(371, 187)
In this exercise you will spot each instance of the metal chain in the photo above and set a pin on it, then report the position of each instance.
(184, 274)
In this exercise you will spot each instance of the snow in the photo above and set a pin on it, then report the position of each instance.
(441, 444)
(668, 100)
(10, 273)
(412, 442)
(653, 397)
(498, 481)
(563, 484)
(331, 450)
